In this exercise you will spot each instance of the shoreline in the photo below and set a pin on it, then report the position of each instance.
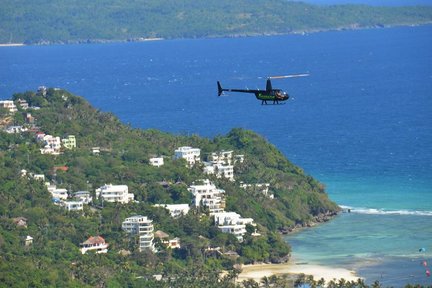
(328, 273)
(301, 32)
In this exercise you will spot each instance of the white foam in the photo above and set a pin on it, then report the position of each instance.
(375, 211)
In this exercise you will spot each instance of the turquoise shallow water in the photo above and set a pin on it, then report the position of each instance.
(380, 238)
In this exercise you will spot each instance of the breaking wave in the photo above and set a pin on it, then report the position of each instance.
(374, 211)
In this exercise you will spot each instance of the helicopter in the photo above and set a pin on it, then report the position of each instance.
(269, 94)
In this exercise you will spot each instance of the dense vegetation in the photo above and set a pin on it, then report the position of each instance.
(65, 21)
(54, 258)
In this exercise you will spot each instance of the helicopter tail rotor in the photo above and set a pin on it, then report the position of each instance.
(220, 90)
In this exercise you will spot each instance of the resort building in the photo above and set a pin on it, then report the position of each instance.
(96, 243)
(72, 205)
(9, 105)
(233, 223)
(115, 193)
(156, 161)
(143, 228)
(206, 194)
(175, 210)
(69, 142)
(191, 155)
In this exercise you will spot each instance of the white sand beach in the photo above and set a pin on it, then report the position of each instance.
(258, 271)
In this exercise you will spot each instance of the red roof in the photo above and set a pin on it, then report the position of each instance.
(61, 168)
(94, 240)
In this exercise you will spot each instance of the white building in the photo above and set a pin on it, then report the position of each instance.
(220, 170)
(52, 145)
(58, 193)
(191, 155)
(156, 161)
(23, 103)
(28, 240)
(222, 157)
(73, 205)
(176, 210)
(15, 129)
(9, 105)
(69, 142)
(96, 150)
(220, 164)
(83, 196)
(239, 158)
(94, 243)
(224, 171)
(208, 195)
(115, 193)
(143, 227)
(233, 223)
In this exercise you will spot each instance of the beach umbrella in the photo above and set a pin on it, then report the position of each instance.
(422, 249)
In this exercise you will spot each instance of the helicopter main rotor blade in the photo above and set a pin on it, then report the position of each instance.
(290, 76)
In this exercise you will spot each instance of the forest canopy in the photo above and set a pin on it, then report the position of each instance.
(64, 21)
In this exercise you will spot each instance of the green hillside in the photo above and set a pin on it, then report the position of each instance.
(64, 21)
(54, 259)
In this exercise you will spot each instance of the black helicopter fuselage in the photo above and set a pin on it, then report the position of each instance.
(270, 94)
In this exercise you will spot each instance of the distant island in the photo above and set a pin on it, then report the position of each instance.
(62, 21)
(86, 201)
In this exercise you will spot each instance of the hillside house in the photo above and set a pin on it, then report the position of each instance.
(15, 129)
(96, 244)
(83, 196)
(233, 223)
(115, 193)
(169, 243)
(206, 194)
(156, 161)
(23, 104)
(222, 157)
(8, 105)
(191, 155)
(58, 193)
(69, 142)
(52, 144)
(28, 241)
(72, 205)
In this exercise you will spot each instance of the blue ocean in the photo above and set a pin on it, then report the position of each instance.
(361, 123)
